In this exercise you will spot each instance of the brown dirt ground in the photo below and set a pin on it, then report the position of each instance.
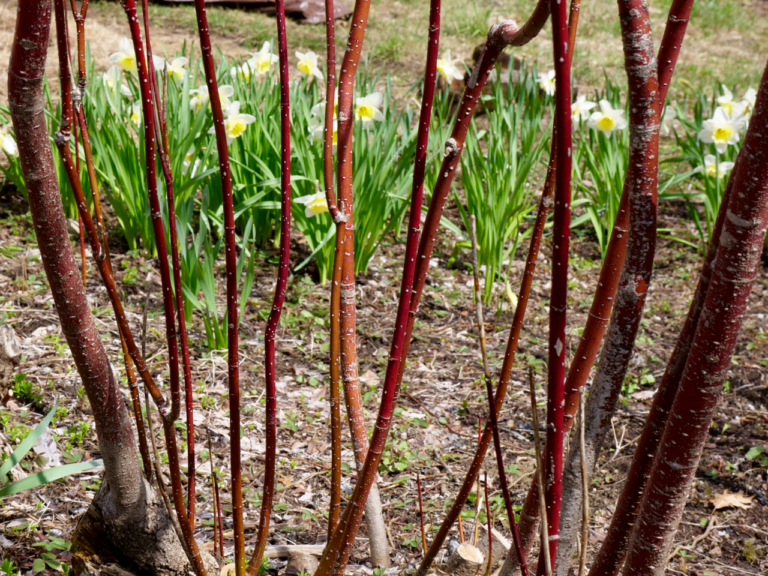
(434, 433)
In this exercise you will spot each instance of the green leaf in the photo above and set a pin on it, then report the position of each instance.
(38, 565)
(49, 475)
(27, 443)
(753, 452)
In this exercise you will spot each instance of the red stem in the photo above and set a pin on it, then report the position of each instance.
(165, 277)
(338, 550)
(708, 363)
(642, 187)
(610, 556)
(559, 295)
(335, 400)
(529, 31)
(279, 298)
(154, 201)
(330, 104)
(608, 281)
(232, 296)
(421, 515)
(25, 99)
(161, 137)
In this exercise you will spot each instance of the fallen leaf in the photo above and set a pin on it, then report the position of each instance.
(370, 378)
(228, 570)
(732, 500)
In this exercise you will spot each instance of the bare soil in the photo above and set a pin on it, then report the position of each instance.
(435, 429)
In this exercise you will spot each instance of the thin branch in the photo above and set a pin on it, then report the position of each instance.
(539, 472)
(270, 333)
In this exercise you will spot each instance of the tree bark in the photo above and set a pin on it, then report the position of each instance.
(708, 363)
(124, 499)
(642, 186)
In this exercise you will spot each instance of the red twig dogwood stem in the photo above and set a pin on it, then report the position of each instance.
(335, 400)
(270, 334)
(707, 364)
(642, 186)
(233, 364)
(25, 100)
(553, 455)
(605, 292)
(148, 115)
(529, 31)
(164, 153)
(501, 35)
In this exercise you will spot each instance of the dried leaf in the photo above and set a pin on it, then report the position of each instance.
(228, 570)
(732, 500)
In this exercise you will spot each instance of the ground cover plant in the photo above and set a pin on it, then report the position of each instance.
(142, 143)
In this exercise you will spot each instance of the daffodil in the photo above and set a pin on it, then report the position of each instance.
(748, 100)
(317, 130)
(607, 119)
(308, 64)
(580, 109)
(201, 99)
(190, 160)
(449, 67)
(667, 117)
(367, 108)
(722, 129)
(125, 57)
(712, 169)
(260, 62)
(7, 142)
(242, 72)
(177, 68)
(318, 110)
(314, 204)
(235, 122)
(727, 103)
(111, 80)
(135, 115)
(547, 82)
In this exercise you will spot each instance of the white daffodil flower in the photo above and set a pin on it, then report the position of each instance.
(201, 99)
(607, 119)
(260, 62)
(111, 80)
(727, 103)
(667, 117)
(318, 110)
(125, 57)
(177, 68)
(547, 82)
(449, 68)
(158, 64)
(7, 141)
(317, 130)
(190, 160)
(241, 72)
(722, 129)
(748, 100)
(580, 109)
(712, 169)
(135, 114)
(314, 204)
(308, 64)
(235, 122)
(367, 108)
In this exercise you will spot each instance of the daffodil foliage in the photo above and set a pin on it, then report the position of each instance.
(499, 170)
